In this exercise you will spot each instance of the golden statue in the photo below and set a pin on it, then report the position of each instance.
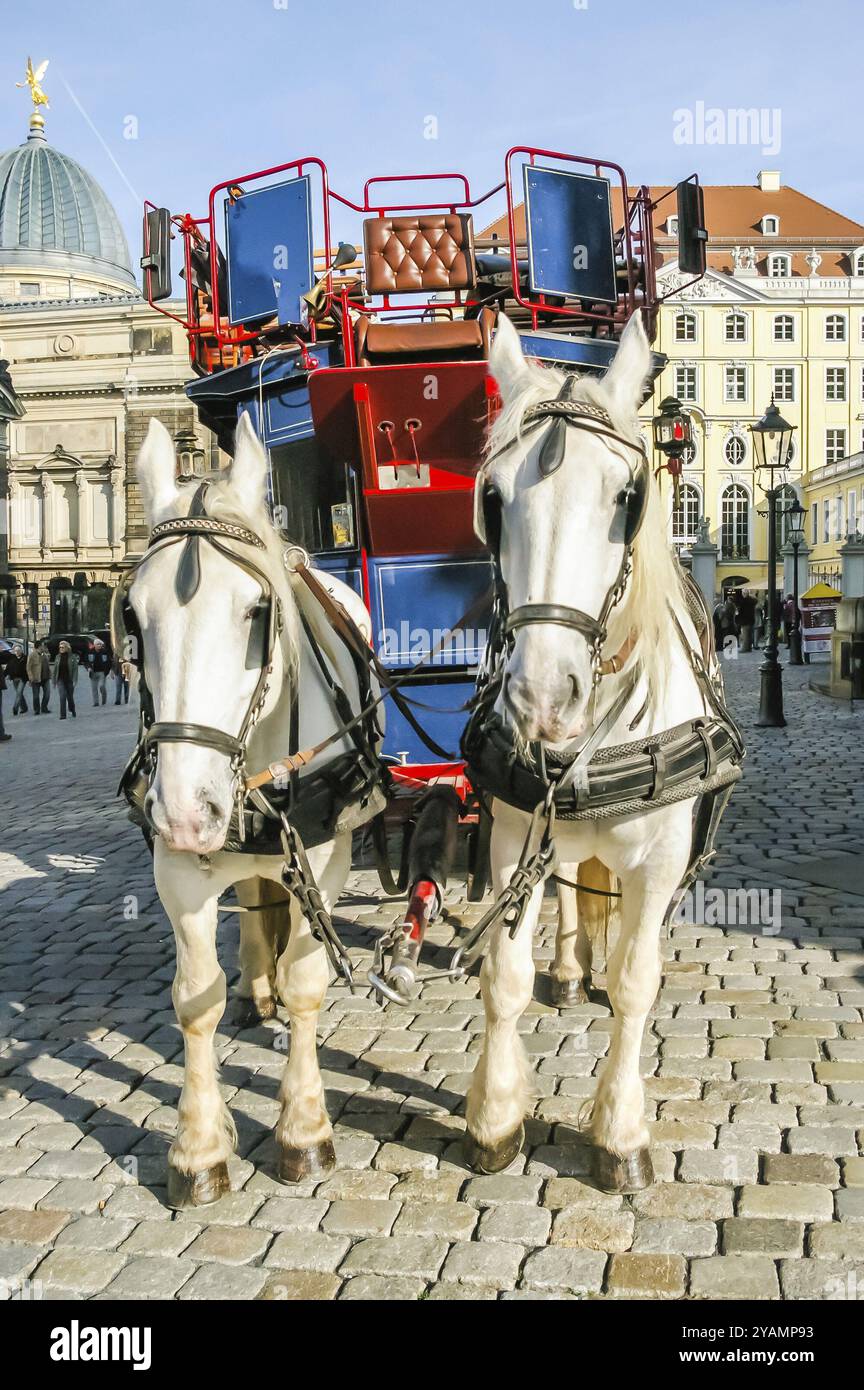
(33, 81)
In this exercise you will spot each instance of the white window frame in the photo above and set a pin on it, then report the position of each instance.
(735, 372)
(830, 324)
(735, 316)
(682, 395)
(686, 316)
(857, 259)
(814, 523)
(770, 224)
(779, 392)
(831, 454)
(779, 259)
(784, 319)
(837, 376)
(672, 225)
(34, 292)
(686, 535)
(851, 511)
(748, 501)
(742, 443)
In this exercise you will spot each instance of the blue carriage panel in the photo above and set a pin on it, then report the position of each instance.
(443, 723)
(588, 354)
(268, 241)
(569, 222)
(343, 565)
(416, 599)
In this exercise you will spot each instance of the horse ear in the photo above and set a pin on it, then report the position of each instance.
(156, 470)
(625, 379)
(506, 360)
(247, 475)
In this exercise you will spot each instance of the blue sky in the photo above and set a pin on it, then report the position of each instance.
(355, 84)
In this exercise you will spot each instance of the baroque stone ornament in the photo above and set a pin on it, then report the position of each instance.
(814, 260)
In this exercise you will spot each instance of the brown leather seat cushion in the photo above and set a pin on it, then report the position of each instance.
(430, 251)
(442, 335)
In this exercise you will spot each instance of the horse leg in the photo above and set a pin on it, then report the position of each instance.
(622, 1162)
(499, 1092)
(582, 922)
(197, 1160)
(304, 1134)
(258, 949)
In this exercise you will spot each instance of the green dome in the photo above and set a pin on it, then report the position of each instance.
(54, 216)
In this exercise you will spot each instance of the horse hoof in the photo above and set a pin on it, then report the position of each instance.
(567, 993)
(197, 1189)
(623, 1175)
(295, 1165)
(254, 1011)
(493, 1158)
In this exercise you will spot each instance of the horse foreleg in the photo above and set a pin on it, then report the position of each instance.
(197, 1160)
(258, 948)
(581, 918)
(304, 1134)
(499, 1093)
(618, 1127)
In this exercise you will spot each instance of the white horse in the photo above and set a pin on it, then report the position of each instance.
(562, 543)
(197, 668)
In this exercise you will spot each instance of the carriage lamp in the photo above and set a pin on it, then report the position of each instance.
(772, 449)
(673, 436)
(795, 535)
(190, 455)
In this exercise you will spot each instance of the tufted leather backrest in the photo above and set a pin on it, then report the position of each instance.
(431, 251)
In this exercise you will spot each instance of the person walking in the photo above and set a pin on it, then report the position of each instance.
(99, 662)
(728, 623)
(747, 619)
(16, 670)
(64, 673)
(4, 737)
(39, 676)
(120, 672)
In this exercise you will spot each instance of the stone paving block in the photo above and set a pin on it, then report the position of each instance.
(502, 1187)
(593, 1230)
(291, 1214)
(309, 1250)
(160, 1238)
(24, 1192)
(686, 1201)
(674, 1237)
(212, 1283)
(515, 1222)
(229, 1245)
(853, 1172)
(787, 1201)
(447, 1220)
(559, 1269)
(421, 1256)
(150, 1278)
(800, 1168)
(32, 1227)
(718, 1167)
(570, 1192)
(378, 1288)
(739, 1277)
(292, 1285)
(836, 1241)
(95, 1233)
(360, 1218)
(647, 1276)
(850, 1204)
(832, 1280)
(762, 1236)
(493, 1265)
(833, 1140)
(78, 1273)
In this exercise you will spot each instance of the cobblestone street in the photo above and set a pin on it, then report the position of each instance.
(754, 1063)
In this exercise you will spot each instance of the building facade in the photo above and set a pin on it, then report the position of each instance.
(90, 362)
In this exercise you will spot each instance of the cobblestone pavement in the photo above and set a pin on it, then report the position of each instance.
(754, 1064)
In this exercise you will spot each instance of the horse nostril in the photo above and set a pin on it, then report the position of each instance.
(214, 811)
(575, 689)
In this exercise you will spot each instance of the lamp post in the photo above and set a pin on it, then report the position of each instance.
(796, 515)
(772, 441)
(673, 435)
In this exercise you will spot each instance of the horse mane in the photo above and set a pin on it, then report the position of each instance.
(657, 579)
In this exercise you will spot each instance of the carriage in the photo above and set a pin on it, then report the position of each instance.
(366, 378)
(437, 498)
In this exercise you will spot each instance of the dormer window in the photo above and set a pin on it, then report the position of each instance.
(857, 259)
(779, 266)
(770, 225)
(671, 226)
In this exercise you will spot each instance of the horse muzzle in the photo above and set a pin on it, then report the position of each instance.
(197, 824)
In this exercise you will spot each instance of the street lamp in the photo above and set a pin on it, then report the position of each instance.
(772, 446)
(795, 535)
(673, 436)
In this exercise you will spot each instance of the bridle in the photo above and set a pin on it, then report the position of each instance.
(558, 414)
(267, 624)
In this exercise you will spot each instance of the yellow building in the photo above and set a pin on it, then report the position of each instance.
(834, 498)
(779, 313)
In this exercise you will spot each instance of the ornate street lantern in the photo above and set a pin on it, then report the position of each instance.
(795, 535)
(772, 449)
(673, 436)
(772, 443)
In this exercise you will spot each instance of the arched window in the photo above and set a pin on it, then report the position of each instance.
(735, 522)
(685, 328)
(835, 328)
(858, 262)
(786, 495)
(685, 517)
(736, 328)
(770, 225)
(735, 450)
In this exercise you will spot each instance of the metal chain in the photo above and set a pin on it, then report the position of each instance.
(298, 879)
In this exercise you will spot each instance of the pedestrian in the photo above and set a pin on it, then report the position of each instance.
(39, 676)
(759, 632)
(747, 619)
(4, 737)
(790, 617)
(120, 672)
(715, 619)
(99, 662)
(64, 673)
(728, 624)
(16, 670)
